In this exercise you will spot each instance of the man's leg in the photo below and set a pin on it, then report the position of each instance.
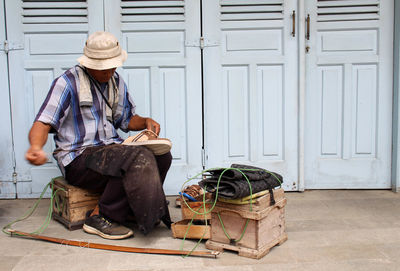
(141, 187)
(112, 204)
(163, 163)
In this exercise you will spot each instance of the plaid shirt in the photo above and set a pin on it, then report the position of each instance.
(77, 127)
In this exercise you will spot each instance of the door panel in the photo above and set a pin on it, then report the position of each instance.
(7, 187)
(250, 73)
(348, 95)
(51, 38)
(163, 73)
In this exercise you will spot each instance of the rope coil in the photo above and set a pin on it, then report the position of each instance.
(31, 210)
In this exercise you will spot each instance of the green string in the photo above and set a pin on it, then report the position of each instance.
(226, 233)
(190, 224)
(215, 202)
(33, 208)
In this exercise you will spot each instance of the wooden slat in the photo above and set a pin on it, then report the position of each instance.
(347, 3)
(54, 20)
(54, 5)
(249, 2)
(240, 9)
(54, 12)
(153, 18)
(345, 25)
(128, 4)
(341, 10)
(153, 11)
(253, 16)
(348, 17)
(153, 26)
(55, 28)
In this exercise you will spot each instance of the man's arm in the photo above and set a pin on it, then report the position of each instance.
(137, 123)
(37, 138)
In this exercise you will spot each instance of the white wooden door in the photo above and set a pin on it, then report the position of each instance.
(7, 187)
(250, 82)
(50, 36)
(163, 73)
(349, 94)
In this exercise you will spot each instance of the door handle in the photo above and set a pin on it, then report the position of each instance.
(294, 23)
(308, 27)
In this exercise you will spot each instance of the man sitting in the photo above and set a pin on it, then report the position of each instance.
(84, 108)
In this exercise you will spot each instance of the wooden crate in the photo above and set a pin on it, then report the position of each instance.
(265, 228)
(195, 231)
(197, 206)
(71, 204)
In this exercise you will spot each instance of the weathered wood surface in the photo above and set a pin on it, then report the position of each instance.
(195, 231)
(257, 204)
(71, 204)
(247, 252)
(196, 206)
(265, 227)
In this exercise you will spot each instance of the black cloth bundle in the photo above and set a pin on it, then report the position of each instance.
(233, 184)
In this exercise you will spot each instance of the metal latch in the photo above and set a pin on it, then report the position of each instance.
(7, 46)
(202, 43)
(203, 157)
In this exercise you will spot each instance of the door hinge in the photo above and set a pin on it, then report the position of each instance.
(202, 43)
(14, 177)
(203, 157)
(7, 46)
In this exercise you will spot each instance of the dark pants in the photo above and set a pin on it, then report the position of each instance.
(135, 190)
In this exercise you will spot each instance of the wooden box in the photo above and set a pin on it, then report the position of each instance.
(265, 227)
(179, 230)
(71, 204)
(197, 206)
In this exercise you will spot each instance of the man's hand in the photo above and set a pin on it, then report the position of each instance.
(138, 123)
(37, 138)
(152, 125)
(36, 156)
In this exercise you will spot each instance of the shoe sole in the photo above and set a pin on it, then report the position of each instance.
(92, 230)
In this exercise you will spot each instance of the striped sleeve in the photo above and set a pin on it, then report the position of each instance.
(127, 107)
(56, 105)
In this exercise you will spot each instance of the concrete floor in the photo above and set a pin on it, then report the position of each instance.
(328, 230)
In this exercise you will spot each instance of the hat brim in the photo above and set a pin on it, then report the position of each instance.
(103, 64)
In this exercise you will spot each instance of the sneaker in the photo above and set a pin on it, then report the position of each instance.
(103, 227)
(192, 193)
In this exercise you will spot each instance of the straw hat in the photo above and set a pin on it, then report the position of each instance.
(102, 51)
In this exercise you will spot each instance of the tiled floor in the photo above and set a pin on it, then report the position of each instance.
(328, 230)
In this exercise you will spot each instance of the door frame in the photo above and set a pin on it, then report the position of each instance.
(301, 26)
(7, 169)
(396, 101)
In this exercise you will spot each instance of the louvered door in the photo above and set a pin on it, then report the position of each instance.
(163, 72)
(250, 77)
(48, 37)
(348, 94)
(7, 187)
